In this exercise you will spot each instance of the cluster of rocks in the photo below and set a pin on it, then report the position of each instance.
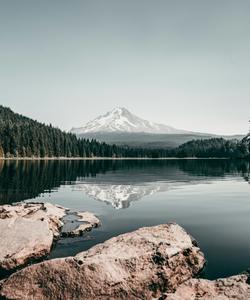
(160, 262)
(28, 231)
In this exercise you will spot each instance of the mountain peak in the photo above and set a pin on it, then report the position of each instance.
(120, 119)
(119, 111)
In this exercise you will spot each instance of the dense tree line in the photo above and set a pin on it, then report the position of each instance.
(215, 147)
(23, 137)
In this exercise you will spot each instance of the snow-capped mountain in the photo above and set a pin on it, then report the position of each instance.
(122, 120)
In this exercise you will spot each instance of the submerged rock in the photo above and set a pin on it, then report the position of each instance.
(28, 230)
(139, 265)
(231, 288)
(85, 221)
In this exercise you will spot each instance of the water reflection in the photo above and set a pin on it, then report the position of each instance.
(115, 182)
(120, 195)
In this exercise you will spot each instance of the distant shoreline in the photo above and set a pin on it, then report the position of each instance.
(110, 158)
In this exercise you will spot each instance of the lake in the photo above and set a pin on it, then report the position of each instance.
(209, 198)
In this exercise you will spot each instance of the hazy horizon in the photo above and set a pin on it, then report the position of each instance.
(183, 64)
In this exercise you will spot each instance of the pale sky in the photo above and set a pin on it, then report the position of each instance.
(181, 63)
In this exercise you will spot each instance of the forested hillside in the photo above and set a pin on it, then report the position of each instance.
(23, 137)
(215, 147)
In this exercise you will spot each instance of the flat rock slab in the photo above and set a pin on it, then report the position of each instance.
(142, 264)
(231, 288)
(28, 230)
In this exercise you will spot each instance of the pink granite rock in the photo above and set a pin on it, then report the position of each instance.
(139, 265)
(231, 288)
(28, 230)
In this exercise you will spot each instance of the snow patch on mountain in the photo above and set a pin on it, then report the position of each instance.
(122, 120)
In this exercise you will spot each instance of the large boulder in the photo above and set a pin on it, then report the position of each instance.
(28, 230)
(231, 288)
(23, 240)
(139, 265)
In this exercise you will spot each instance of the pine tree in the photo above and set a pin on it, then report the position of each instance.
(1, 151)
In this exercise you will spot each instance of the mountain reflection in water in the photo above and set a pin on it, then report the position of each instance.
(117, 182)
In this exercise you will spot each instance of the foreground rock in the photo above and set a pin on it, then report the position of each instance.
(28, 230)
(138, 265)
(232, 288)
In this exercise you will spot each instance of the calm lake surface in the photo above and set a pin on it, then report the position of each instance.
(209, 198)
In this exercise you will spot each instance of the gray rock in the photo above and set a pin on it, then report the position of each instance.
(85, 221)
(139, 265)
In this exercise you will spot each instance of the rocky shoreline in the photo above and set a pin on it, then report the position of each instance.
(159, 262)
(29, 230)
